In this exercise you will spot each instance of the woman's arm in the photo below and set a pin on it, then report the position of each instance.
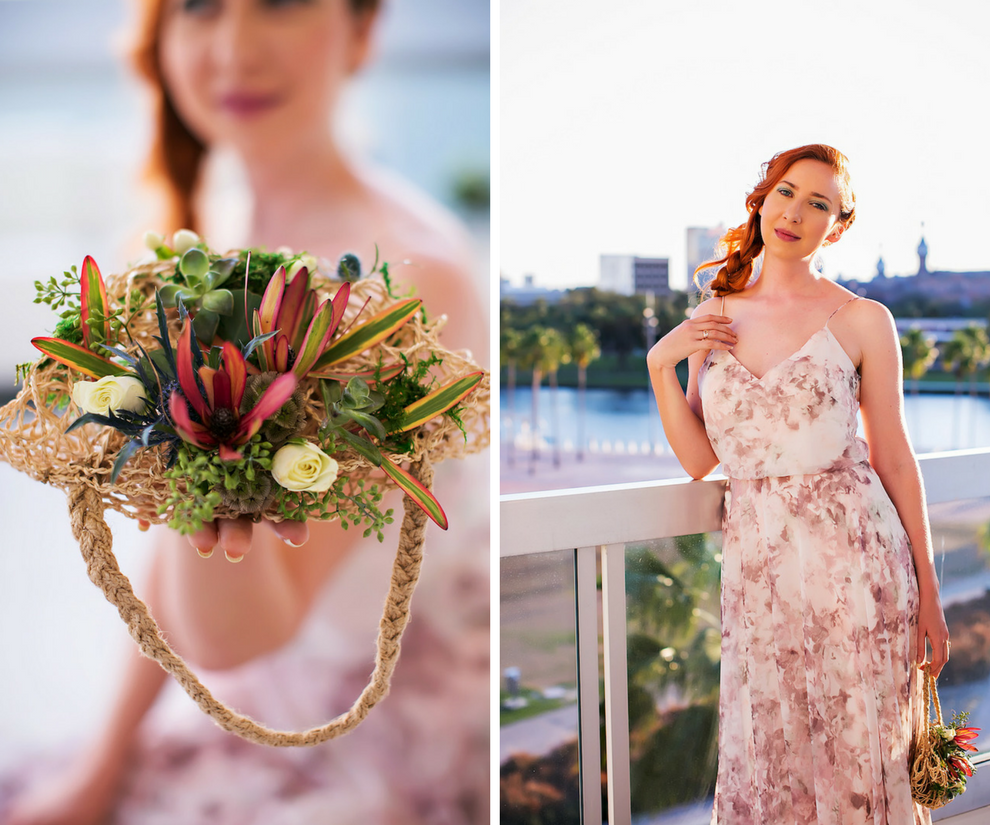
(221, 615)
(882, 407)
(681, 415)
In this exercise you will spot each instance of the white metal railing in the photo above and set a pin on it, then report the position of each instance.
(590, 520)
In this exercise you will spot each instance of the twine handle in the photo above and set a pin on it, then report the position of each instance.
(929, 774)
(931, 694)
(96, 544)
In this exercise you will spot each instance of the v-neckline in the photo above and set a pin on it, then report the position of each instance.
(791, 357)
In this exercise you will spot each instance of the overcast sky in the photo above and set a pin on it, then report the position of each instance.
(624, 122)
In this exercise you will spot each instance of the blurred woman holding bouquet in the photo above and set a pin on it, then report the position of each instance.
(288, 629)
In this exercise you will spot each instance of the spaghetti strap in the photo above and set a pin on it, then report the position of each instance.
(722, 310)
(830, 317)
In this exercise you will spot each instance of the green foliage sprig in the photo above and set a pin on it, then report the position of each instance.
(21, 371)
(198, 477)
(58, 293)
(263, 267)
(63, 293)
(300, 506)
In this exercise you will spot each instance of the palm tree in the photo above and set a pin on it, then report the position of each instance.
(965, 353)
(531, 358)
(919, 353)
(979, 345)
(508, 350)
(555, 352)
(584, 350)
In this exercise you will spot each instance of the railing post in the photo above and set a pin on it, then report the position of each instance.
(590, 743)
(616, 683)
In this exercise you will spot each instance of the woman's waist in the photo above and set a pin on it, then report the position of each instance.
(763, 474)
(784, 459)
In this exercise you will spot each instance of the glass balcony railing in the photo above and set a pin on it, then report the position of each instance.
(610, 644)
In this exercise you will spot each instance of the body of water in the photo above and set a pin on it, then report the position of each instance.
(627, 420)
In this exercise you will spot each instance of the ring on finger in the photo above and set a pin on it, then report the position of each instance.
(705, 334)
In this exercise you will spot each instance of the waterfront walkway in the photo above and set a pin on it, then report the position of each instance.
(525, 475)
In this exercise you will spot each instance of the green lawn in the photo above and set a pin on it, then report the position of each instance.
(537, 704)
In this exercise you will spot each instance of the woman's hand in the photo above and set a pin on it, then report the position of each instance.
(931, 625)
(234, 536)
(705, 332)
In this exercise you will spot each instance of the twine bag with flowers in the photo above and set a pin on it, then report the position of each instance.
(247, 384)
(939, 762)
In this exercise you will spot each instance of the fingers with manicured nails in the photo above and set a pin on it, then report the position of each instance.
(143, 525)
(292, 533)
(203, 541)
(235, 537)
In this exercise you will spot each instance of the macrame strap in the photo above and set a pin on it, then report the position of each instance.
(929, 775)
(931, 695)
(96, 543)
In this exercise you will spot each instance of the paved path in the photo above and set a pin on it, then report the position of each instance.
(539, 734)
(525, 475)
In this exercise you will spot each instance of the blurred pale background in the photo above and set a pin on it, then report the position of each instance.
(72, 140)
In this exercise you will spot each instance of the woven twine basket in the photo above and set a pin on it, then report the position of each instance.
(927, 769)
(33, 441)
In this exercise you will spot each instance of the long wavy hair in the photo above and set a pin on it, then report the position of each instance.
(176, 155)
(741, 245)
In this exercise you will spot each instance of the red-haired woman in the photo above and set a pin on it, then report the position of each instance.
(289, 631)
(829, 590)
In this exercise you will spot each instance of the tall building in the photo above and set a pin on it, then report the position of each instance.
(630, 274)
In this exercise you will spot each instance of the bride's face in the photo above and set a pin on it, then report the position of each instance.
(246, 73)
(802, 211)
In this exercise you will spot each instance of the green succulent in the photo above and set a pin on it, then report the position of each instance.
(203, 291)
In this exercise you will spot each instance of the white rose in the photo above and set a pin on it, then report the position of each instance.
(304, 466)
(153, 240)
(184, 240)
(110, 394)
(293, 270)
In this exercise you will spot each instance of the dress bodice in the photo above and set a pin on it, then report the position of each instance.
(798, 419)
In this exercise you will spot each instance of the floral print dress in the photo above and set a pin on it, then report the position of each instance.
(819, 693)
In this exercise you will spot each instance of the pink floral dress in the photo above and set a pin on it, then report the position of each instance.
(819, 694)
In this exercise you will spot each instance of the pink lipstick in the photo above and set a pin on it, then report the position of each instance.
(247, 104)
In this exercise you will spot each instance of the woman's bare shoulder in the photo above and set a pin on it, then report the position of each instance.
(711, 306)
(423, 231)
(866, 314)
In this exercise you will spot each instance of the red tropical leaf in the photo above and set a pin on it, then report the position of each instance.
(93, 303)
(236, 369)
(291, 315)
(78, 358)
(278, 392)
(187, 428)
(187, 375)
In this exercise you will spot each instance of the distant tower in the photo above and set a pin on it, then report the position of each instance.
(922, 253)
(881, 268)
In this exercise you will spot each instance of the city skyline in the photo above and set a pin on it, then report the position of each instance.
(531, 279)
(622, 129)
